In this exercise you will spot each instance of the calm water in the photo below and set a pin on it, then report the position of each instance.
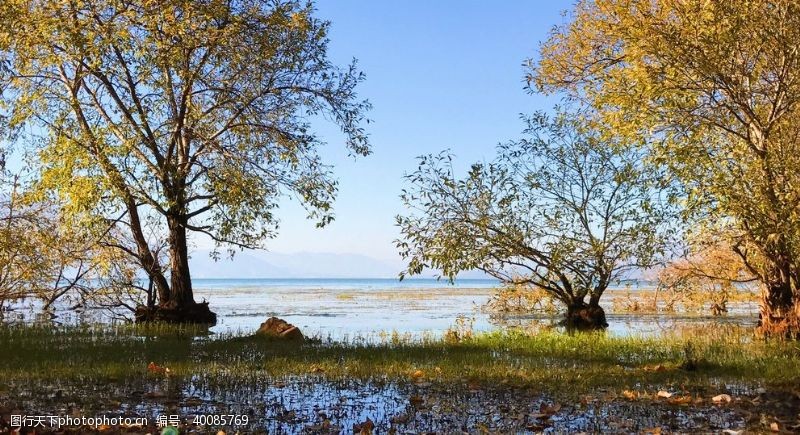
(369, 309)
(340, 283)
(344, 309)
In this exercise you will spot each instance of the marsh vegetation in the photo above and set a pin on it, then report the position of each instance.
(498, 381)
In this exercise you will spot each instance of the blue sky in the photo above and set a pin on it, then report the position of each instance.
(440, 74)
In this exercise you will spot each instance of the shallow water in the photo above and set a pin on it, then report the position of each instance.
(315, 405)
(369, 309)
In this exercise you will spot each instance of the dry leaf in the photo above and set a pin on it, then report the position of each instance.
(364, 428)
(630, 395)
(774, 427)
(681, 400)
(664, 394)
(721, 398)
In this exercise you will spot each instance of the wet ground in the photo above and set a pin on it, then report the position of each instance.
(313, 405)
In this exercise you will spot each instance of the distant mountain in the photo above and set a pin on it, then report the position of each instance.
(243, 265)
(262, 264)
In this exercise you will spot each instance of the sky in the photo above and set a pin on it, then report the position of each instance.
(440, 75)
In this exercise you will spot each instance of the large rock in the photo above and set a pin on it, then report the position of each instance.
(279, 328)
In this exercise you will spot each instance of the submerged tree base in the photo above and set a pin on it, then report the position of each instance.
(194, 313)
(585, 318)
(781, 326)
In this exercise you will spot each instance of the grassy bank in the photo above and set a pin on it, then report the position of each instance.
(545, 360)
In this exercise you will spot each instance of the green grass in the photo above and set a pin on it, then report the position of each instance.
(549, 361)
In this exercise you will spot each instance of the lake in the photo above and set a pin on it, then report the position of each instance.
(368, 309)
(374, 309)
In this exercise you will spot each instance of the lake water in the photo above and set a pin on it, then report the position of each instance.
(369, 309)
(374, 309)
(344, 308)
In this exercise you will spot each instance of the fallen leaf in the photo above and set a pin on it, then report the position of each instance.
(774, 427)
(721, 398)
(364, 428)
(680, 400)
(630, 395)
(417, 374)
(157, 369)
(664, 395)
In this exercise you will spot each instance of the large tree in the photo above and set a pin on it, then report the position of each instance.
(563, 210)
(192, 116)
(714, 87)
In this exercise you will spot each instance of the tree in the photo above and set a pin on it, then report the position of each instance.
(562, 210)
(46, 257)
(714, 87)
(189, 115)
(708, 275)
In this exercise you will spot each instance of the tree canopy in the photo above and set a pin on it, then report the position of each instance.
(713, 87)
(193, 116)
(562, 210)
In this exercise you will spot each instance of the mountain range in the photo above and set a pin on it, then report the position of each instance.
(264, 264)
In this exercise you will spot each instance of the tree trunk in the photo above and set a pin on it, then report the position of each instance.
(181, 294)
(780, 311)
(582, 316)
(146, 257)
(179, 306)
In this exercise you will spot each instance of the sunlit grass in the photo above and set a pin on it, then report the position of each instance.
(549, 361)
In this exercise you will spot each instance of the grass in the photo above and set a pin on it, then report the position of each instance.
(548, 361)
(490, 382)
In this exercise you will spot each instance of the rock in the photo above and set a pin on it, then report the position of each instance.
(279, 328)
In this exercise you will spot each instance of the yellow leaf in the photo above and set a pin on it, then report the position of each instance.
(664, 394)
(721, 399)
